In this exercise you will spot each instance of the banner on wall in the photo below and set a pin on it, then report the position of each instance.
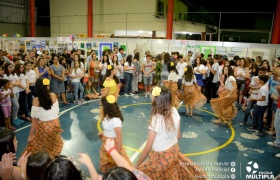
(103, 46)
(208, 50)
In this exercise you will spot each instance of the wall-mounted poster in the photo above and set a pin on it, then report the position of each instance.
(82, 45)
(208, 50)
(103, 46)
(88, 46)
(116, 45)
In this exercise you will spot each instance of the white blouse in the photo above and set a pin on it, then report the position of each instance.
(228, 83)
(45, 115)
(173, 76)
(189, 83)
(109, 125)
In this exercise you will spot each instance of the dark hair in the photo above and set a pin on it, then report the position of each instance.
(232, 63)
(111, 110)
(120, 49)
(262, 69)
(264, 78)
(195, 63)
(230, 72)
(236, 58)
(17, 69)
(60, 61)
(42, 91)
(6, 69)
(137, 56)
(27, 62)
(268, 66)
(119, 173)
(188, 75)
(15, 59)
(161, 105)
(37, 165)
(129, 59)
(107, 59)
(117, 61)
(172, 68)
(3, 82)
(254, 65)
(62, 168)
(7, 141)
(166, 58)
(108, 73)
(216, 56)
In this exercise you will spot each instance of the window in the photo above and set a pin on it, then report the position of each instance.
(160, 8)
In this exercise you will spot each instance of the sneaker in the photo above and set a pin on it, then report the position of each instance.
(17, 122)
(130, 94)
(272, 144)
(146, 95)
(243, 124)
(82, 101)
(180, 103)
(252, 129)
(76, 102)
(274, 136)
(258, 133)
(126, 94)
(277, 155)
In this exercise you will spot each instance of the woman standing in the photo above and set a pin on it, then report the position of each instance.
(112, 125)
(129, 69)
(241, 73)
(42, 70)
(57, 80)
(165, 160)
(164, 70)
(224, 105)
(45, 129)
(93, 71)
(199, 71)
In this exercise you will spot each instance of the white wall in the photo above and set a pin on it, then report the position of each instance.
(70, 17)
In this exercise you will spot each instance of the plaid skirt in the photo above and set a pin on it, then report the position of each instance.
(106, 161)
(173, 88)
(224, 106)
(193, 97)
(46, 138)
(171, 165)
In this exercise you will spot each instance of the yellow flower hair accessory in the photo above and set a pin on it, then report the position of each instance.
(172, 64)
(109, 67)
(156, 91)
(111, 99)
(185, 69)
(46, 82)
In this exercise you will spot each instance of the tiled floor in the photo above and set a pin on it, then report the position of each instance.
(224, 151)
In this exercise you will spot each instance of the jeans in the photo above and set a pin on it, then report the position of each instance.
(248, 110)
(78, 86)
(128, 77)
(30, 98)
(15, 106)
(135, 83)
(258, 117)
(277, 127)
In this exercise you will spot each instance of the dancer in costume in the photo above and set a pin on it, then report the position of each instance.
(172, 85)
(165, 160)
(45, 129)
(224, 105)
(112, 125)
(191, 94)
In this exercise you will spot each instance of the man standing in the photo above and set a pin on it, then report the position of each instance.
(120, 54)
(215, 71)
(147, 69)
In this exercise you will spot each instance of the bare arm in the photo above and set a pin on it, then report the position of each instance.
(118, 131)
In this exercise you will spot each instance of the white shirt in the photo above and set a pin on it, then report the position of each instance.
(200, 68)
(109, 125)
(45, 115)
(263, 92)
(103, 70)
(241, 71)
(121, 72)
(23, 79)
(206, 72)
(228, 83)
(12, 78)
(173, 77)
(164, 140)
(255, 83)
(215, 67)
(77, 73)
(31, 76)
(131, 66)
(180, 68)
(189, 83)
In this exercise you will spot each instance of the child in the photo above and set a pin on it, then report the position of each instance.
(112, 125)
(32, 77)
(76, 75)
(224, 105)
(172, 85)
(192, 96)
(13, 78)
(259, 109)
(6, 104)
(23, 92)
(165, 160)
(90, 93)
